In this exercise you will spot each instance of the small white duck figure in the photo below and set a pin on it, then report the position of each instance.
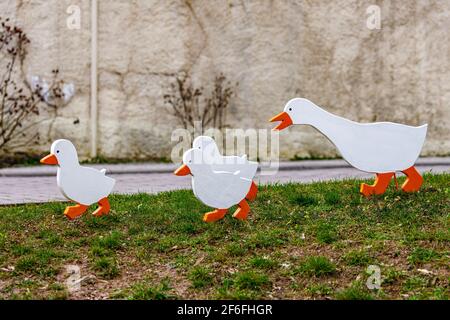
(219, 181)
(82, 185)
(382, 148)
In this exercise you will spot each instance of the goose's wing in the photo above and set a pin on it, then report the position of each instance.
(245, 170)
(230, 163)
(225, 172)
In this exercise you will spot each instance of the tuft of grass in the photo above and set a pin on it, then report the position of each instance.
(414, 283)
(166, 244)
(142, 291)
(50, 237)
(243, 285)
(106, 267)
(111, 241)
(355, 292)
(317, 266)
(38, 262)
(263, 263)
(58, 292)
(98, 251)
(267, 239)
(319, 289)
(357, 258)
(20, 250)
(236, 249)
(304, 200)
(422, 255)
(393, 276)
(26, 264)
(201, 277)
(332, 197)
(250, 280)
(326, 232)
(2, 240)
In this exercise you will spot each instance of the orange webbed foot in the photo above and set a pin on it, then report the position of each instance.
(77, 210)
(215, 215)
(243, 210)
(413, 181)
(103, 208)
(379, 187)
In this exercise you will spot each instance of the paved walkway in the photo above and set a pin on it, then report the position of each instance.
(38, 184)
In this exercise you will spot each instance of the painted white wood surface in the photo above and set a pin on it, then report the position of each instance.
(80, 184)
(218, 181)
(378, 147)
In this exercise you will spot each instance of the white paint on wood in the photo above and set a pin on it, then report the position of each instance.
(218, 181)
(80, 184)
(378, 147)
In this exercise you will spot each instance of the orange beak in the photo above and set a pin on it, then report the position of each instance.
(182, 171)
(285, 119)
(50, 159)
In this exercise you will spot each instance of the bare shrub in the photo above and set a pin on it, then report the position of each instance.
(20, 101)
(190, 104)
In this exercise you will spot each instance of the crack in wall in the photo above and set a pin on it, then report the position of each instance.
(203, 31)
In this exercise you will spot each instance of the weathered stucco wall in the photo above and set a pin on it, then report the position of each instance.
(276, 50)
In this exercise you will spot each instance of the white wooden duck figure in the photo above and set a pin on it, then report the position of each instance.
(217, 181)
(82, 185)
(381, 147)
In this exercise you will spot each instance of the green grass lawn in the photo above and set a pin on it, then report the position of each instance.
(301, 241)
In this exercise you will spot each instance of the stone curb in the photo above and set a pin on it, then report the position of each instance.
(155, 168)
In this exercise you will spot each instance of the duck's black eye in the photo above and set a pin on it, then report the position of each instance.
(290, 109)
(57, 151)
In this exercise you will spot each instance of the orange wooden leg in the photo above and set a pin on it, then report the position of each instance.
(413, 181)
(379, 187)
(251, 195)
(72, 212)
(243, 210)
(103, 208)
(215, 215)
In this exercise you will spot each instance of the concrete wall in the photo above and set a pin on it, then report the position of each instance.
(275, 49)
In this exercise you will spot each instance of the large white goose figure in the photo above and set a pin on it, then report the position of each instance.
(381, 147)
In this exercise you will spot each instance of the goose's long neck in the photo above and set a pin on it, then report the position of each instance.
(327, 123)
